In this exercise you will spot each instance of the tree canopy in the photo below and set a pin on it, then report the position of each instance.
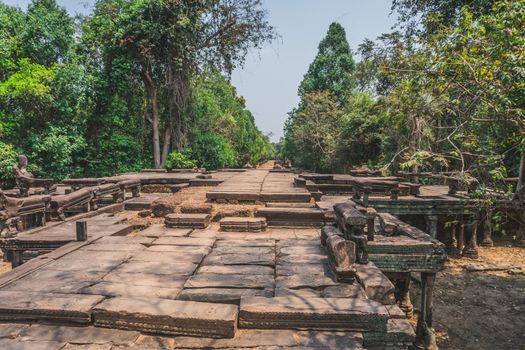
(127, 85)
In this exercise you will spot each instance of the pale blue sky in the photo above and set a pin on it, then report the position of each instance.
(270, 78)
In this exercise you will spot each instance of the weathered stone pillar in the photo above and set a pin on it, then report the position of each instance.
(403, 294)
(452, 242)
(487, 230)
(425, 337)
(17, 258)
(432, 221)
(471, 249)
(366, 193)
(394, 194)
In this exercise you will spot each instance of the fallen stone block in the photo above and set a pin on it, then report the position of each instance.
(161, 208)
(318, 313)
(188, 220)
(341, 258)
(243, 224)
(196, 209)
(171, 317)
(328, 231)
(377, 286)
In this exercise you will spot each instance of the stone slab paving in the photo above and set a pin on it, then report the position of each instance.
(48, 337)
(158, 230)
(259, 185)
(203, 283)
(143, 202)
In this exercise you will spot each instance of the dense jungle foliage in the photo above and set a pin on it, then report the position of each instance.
(445, 92)
(135, 84)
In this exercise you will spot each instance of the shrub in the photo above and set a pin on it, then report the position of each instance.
(180, 160)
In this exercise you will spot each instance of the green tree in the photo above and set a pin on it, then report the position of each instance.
(333, 67)
(315, 130)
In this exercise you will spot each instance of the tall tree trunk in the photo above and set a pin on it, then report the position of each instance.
(520, 187)
(166, 145)
(151, 89)
(414, 142)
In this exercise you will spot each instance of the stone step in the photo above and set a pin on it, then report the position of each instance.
(170, 317)
(289, 205)
(312, 217)
(50, 307)
(313, 313)
(293, 197)
(188, 220)
(243, 224)
(225, 195)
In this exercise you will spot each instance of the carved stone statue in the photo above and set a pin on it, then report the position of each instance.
(25, 180)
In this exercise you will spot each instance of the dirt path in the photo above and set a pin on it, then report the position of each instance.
(481, 310)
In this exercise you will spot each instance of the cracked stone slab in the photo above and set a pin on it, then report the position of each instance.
(289, 269)
(171, 257)
(245, 243)
(106, 346)
(124, 240)
(239, 259)
(130, 290)
(172, 317)
(303, 259)
(78, 335)
(20, 306)
(147, 279)
(84, 265)
(111, 247)
(11, 330)
(158, 230)
(276, 339)
(302, 250)
(185, 241)
(182, 250)
(318, 313)
(47, 286)
(97, 256)
(222, 295)
(237, 269)
(211, 232)
(15, 344)
(157, 267)
(244, 250)
(305, 281)
(211, 280)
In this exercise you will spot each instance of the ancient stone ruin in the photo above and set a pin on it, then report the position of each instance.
(263, 259)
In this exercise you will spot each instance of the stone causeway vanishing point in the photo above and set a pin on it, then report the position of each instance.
(230, 259)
